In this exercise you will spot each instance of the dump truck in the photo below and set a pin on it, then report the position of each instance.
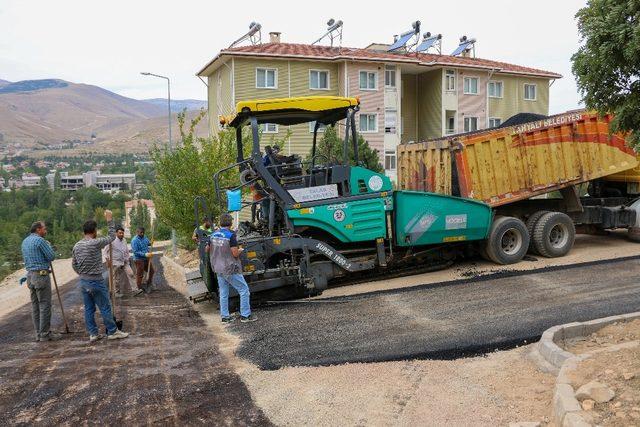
(558, 174)
(320, 219)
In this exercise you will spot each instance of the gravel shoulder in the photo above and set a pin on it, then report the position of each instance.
(500, 388)
(618, 370)
(13, 295)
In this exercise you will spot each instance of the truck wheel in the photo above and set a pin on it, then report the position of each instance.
(634, 234)
(508, 240)
(531, 223)
(554, 234)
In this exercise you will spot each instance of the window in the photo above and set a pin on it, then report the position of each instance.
(390, 160)
(269, 128)
(494, 122)
(368, 80)
(318, 80)
(470, 124)
(312, 125)
(471, 85)
(368, 123)
(266, 78)
(451, 125)
(450, 81)
(390, 77)
(390, 120)
(530, 92)
(495, 89)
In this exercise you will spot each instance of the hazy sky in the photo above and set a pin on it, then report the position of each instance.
(107, 43)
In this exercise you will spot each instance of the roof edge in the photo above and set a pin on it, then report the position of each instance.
(405, 60)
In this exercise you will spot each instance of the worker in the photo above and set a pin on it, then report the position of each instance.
(225, 252)
(142, 257)
(120, 252)
(201, 236)
(38, 255)
(87, 262)
(204, 230)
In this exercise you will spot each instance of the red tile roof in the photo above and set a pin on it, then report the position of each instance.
(294, 50)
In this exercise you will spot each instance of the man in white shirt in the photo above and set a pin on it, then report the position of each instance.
(120, 252)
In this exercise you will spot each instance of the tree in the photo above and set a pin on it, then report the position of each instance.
(607, 65)
(331, 145)
(57, 181)
(187, 171)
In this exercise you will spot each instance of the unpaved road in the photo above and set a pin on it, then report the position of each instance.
(169, 371)
(444, 320)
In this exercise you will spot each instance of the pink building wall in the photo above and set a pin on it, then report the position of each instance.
(371, 101)
(472, 105)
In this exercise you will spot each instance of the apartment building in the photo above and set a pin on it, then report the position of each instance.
(405, 96)
(106, 182)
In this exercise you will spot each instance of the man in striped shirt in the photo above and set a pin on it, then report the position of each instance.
(87, 262)
(37, 255)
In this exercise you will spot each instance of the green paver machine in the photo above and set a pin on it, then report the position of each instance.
(320, 219)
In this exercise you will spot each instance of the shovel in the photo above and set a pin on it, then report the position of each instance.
(55, 282)
(112, 291)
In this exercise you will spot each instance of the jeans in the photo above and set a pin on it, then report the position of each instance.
(95, 293)
(40, 288)
(240, 285)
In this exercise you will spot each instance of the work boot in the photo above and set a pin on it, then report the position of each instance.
(247, 319)
(94, 338)
(118, 334)
(51, 336)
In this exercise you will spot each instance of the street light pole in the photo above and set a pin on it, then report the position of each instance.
(144, 73)
(174, 247)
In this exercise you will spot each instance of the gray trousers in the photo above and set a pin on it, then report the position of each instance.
(120, 279)
(40, 287)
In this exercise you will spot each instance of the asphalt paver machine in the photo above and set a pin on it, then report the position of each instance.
(319, 219)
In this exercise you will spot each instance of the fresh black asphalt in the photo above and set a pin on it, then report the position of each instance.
(440, 321)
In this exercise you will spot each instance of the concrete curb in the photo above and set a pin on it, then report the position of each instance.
(566, 408)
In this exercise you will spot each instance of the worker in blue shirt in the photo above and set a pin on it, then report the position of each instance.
(142, 257)
(38, 255)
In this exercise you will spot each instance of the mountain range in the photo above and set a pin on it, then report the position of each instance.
(44, 113)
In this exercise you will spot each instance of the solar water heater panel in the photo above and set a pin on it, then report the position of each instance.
(426, 44)
(402, 40)
(460, 49)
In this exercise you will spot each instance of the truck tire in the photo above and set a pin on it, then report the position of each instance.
(508, 240)
(531, 223)
(634, 234)
(553, 235)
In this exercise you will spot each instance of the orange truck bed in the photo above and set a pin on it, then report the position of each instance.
(500, 166)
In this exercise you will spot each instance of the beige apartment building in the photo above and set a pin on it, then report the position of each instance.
(405, 96)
